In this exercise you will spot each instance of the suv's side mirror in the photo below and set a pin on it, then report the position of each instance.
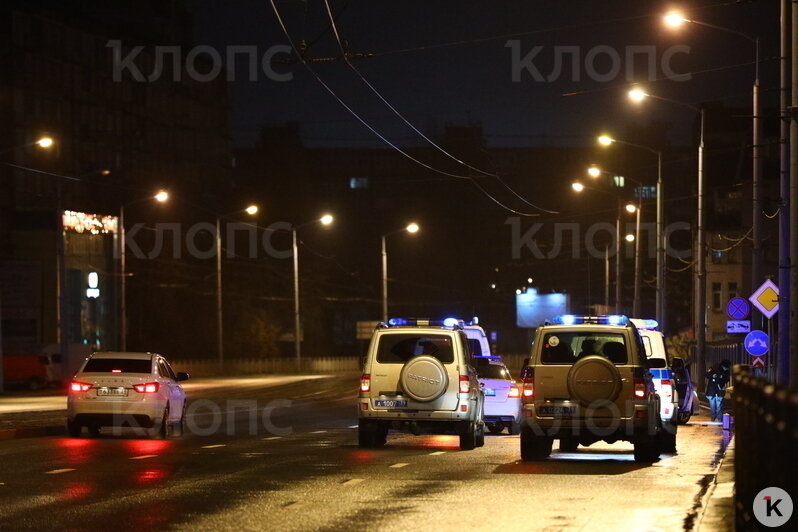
(677, 363)
(656, 363)
(182, 376)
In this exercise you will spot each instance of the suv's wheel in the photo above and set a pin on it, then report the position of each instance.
(495, 428)
(73, 429)
(481, 435)
(568, 445)
(371, 434)
(468, 439)
(514, 428)
(647, 450)
(534, 447)
(683, 417)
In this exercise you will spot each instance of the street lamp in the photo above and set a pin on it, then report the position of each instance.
(701, 264)
(630, 208)
(757, 258)
(661, 278)
(161, 196)
(45, 142)
(42, 142)
(325, 220)
(251, 210)
(411, 228)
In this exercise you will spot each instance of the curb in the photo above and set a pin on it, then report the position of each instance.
(717, 509)
(33, 432)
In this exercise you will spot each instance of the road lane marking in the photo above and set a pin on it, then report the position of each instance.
(436, 453)
(143, 457)
(58, 471)
(214, 446)
(400, 464)
(272, 438)
(353, 481)
(318, 432)
(354, 426)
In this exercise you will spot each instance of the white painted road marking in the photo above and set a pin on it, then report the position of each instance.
(272, 438)
(353, 481)
(58, 471)
(143, 457)
(318, 432)
(400, 464)
(353, 426)
(214, 446)
(436, 453)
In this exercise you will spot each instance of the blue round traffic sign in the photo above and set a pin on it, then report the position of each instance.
(738, 308)
(757, 343)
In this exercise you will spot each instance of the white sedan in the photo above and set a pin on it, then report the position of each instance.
(137, 390)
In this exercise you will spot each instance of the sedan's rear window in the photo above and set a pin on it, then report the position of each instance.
(399, 348)
(568, 347)
(492, 371)
(118, 365)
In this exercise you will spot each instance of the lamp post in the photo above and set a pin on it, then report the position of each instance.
(251, 210)
(161, 197)
(630, 208)
(638, 95)
(676, 20)
(595, 172)
(605, 140)
(411, 228)
(327, 219)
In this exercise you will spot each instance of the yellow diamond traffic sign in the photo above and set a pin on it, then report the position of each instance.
(766, 299)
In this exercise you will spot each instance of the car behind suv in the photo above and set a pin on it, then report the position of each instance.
(419, 377)
(588, 380)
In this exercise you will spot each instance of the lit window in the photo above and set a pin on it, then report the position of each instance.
(646, 192)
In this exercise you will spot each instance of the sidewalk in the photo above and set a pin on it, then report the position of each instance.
(717, 512)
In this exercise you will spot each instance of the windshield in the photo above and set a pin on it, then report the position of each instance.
(569, 346)
(399, 348)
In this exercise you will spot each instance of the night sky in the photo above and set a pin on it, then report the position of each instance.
(472, 81)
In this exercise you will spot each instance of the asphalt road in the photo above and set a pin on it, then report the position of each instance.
(302, 470)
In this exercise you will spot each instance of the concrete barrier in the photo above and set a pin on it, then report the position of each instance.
(254, 366)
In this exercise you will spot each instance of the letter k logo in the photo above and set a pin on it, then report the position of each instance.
(772, 507)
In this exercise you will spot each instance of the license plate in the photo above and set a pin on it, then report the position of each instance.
(489, 391)
(115, 392)
(557, 410)
(390, 403)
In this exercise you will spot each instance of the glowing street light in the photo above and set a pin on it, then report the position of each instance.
(630, 238)
(251, 210)
(674, 19)
(631, 208)
(594, 171)
(411, 228)
(45, 142)
(605, 140)
(577, 186)
(637, 95)
(161, 196)
(327, 219)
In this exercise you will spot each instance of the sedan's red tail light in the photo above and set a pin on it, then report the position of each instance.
(514, 392)
(365, 382)
(150, 387)
(79, 387)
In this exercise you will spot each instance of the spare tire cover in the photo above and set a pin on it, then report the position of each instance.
(594, 379)
(424, 379)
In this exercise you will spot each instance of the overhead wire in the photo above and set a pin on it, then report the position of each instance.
(377, 133)
(345, 57)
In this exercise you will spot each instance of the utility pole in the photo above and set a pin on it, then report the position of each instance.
(783, 364)
(618, 260)
(2, 375)
(701, 264)
(793, 201)
(756, 221)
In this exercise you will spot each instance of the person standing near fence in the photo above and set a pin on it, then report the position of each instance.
(716, 389)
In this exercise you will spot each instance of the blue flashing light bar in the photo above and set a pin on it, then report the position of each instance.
(645, 323)
(450, 323)
(570, 319)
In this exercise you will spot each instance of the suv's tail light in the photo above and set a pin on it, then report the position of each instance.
(365, 382)
(79, 387)
(514, 392)
(150, 387)
(465, 384)
(529, 387)
(640, 388)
